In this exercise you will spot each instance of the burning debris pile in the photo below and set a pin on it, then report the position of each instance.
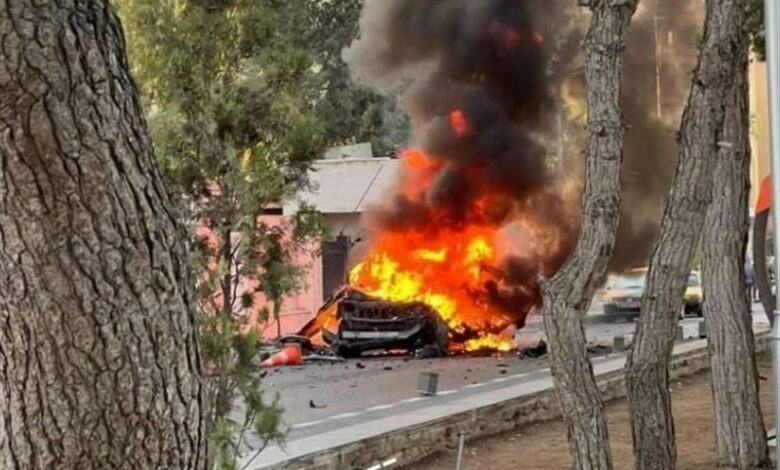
(479, 212)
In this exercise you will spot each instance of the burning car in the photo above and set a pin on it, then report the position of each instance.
(478, 211)
(368, 324)
(353, 323)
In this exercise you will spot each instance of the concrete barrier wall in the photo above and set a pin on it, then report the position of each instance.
(413, 443)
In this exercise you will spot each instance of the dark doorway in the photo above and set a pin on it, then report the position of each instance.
(334, 265)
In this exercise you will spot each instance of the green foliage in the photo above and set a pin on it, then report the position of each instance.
(755, 26)
(241, 97)
(227, 94)
(351, 113)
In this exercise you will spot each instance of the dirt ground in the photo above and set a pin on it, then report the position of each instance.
(543, 446)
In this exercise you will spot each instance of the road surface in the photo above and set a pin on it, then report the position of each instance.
(323, 390)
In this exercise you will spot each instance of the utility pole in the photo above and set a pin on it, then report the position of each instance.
(658, 107)
(772, 15)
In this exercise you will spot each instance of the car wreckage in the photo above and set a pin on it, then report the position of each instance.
(352, 323)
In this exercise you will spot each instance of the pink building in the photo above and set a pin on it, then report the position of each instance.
(345, 183)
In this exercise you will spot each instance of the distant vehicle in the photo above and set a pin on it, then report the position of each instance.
(624, 293)
(693, 295)
(763, 257)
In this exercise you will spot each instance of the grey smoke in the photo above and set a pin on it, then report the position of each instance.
(454, 54)
(650, 151)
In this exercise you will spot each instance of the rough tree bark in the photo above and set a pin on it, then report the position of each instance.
(99, 359)
(739, 425)
(568, 294)
(720, 60)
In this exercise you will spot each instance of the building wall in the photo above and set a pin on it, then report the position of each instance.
(342, 188)
(349, 225)
(299, 308)
(759, 133)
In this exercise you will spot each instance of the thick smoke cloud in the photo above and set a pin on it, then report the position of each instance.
(490, 61)
(650, 151)
(481, 81)
(500, 64)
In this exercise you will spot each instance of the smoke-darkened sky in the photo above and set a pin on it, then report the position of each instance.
(492, 60)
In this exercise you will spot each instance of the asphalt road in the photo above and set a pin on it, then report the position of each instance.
(346, 387)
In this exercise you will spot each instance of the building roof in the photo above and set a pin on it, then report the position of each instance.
(348, 185)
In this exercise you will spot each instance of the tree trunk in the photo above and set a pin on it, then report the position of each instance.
(569, 293)
(721, 57)
(739, 425)
(99, 358)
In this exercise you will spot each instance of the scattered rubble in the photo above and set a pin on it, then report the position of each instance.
(533, 351)
(599, 349)
(322, 358)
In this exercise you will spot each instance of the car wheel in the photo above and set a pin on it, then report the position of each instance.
(347, 352)
(442, 336)
(430, 352)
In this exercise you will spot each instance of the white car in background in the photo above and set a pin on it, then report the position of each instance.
(623, 293)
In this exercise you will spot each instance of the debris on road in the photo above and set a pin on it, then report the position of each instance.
(314, 405)
(533, 351)
(599, 349)
(322, 358)
(304, 341)
(428, 384)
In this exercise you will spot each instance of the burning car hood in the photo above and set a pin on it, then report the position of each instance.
(352, 322)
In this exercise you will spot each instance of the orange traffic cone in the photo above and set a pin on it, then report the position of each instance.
(289, 356)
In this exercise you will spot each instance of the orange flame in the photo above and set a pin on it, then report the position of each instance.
(443, 271)
(511, 38)
(490, 343)
(458, 123)
(447, 267)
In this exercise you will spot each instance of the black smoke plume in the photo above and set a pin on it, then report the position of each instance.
(660, 58)
(491, 61)
(481, 81)
(499, 64)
